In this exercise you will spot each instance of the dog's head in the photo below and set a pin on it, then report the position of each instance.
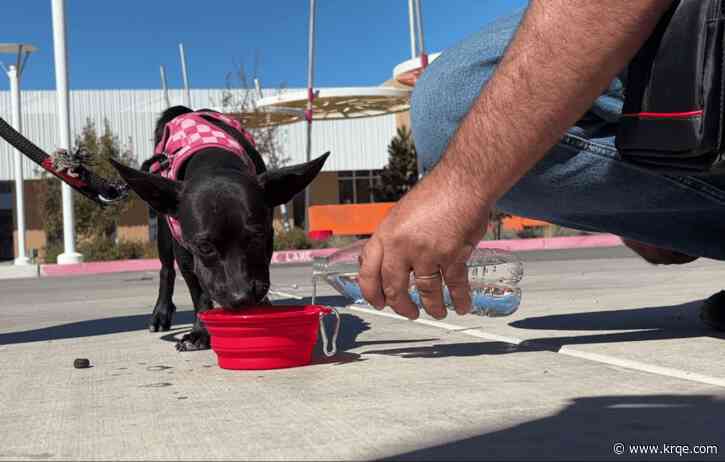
(226, 222)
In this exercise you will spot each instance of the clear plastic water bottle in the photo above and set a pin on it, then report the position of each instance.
(493, 277)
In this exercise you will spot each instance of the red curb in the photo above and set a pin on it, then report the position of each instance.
(305, 256)
(554, 243)
(100, 267)
(299, 256)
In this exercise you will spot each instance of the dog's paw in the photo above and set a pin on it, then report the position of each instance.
(194, 341)
(162, 317)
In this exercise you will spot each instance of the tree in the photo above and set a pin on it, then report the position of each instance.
(239, 97)
(401, 173)
(92, 222)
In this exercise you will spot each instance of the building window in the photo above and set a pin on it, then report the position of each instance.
(357, 186)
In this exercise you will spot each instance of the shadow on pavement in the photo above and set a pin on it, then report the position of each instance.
(644, 324)
(590, 428)
(682, 317)
(351, 327)
(89, 328)
(113, 325)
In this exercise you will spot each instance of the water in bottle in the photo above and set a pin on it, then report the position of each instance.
(493, 277)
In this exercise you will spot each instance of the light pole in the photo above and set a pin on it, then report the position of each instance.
(310, 100)
(185, 76)
(419, 33)
(60, 56)
(413, 29)
(15, 71)
(164, 87)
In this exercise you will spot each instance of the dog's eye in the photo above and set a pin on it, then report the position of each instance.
(205, 248)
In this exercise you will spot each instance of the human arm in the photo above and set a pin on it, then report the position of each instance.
(562, 57)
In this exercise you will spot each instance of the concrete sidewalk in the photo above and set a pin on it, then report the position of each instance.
(464, 388)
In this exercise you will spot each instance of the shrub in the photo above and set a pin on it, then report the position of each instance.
(296, 239)
(292, 240)
(51, 252)
(104, 249)
(95, 226)
(531, 232)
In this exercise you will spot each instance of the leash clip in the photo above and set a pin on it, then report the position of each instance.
(329, 348)
(162, 163)
(120, 191)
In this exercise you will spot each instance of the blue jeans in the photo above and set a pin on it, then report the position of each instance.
(581, 183)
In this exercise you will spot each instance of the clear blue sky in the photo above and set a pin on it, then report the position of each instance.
(120, 44)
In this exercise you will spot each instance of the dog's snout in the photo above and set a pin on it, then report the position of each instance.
(239, 300)
(251, 295)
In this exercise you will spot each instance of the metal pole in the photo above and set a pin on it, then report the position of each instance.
(185, 76)
(310, 99)
(60, 55)
(419, 23)
(164, 87)
(411, 24)
(423, 56)
(258, 88)
(14, 76)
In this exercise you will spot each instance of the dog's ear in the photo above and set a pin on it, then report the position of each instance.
(281, 185)
(159, 193)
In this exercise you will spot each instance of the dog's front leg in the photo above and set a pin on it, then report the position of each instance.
(164, 309)
(198, 338)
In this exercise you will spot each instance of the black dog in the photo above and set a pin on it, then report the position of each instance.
(225, 215)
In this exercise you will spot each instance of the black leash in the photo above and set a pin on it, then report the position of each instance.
(97, 189)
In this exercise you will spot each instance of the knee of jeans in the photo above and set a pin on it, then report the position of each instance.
(426, 119)
(447, 89)
(441, 98)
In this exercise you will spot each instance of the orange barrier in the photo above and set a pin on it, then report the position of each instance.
(519, 223)
(349, 219)
(363, 219)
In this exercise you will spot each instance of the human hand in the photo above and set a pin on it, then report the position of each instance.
(431, 232)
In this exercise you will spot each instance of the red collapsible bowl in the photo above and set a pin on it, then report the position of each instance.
(264, 337)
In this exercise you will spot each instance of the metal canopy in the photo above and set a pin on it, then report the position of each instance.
(405, 73)
(17, 47)
(391, 97)
(328, 104)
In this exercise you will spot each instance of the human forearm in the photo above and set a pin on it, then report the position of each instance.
(562, 57)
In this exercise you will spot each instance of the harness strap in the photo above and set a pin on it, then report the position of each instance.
(240, 137)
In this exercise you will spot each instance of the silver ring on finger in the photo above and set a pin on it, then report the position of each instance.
(436, 275)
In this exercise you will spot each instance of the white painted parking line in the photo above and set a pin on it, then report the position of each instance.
(643, 367)
(564, 350)
(472, 332)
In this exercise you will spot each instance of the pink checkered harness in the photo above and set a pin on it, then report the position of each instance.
(188, 134)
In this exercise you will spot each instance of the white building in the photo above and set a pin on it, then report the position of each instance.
(359, 147)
